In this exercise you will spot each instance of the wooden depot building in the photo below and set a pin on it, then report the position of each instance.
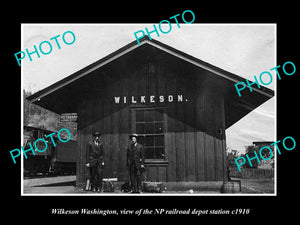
(179, 105)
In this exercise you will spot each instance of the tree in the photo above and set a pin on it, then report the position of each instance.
(231, 156)
(250, 151)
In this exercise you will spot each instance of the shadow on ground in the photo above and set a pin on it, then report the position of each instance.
(68, 183)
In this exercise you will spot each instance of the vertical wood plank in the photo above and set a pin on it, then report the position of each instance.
(151, 173)
(209, 135)
(199, 129)
(219, 159)
(80, 176)
(190, 131)
(133, 88)
(152, 83)
(106, 126)
(224, 157)
(86, 132)
(162, 174)
(180, 134)
(190, 156)
(122, 168)
(200, 156)
(115, 126)
(142, 81)
(161, 84)
(219, 136)
(124, 128)
(210, 157)
(170, 148)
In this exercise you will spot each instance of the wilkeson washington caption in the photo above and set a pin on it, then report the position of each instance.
(84, 211)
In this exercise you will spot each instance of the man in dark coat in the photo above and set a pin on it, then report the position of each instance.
(95, 161)
(135, 163)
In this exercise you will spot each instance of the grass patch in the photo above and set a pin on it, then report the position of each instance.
(257, 186)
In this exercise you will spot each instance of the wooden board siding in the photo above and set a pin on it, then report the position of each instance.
(193, 149)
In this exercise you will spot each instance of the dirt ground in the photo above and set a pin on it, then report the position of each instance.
(259, 186)
(65, 185)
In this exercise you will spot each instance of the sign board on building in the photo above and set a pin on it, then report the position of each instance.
(68, 117)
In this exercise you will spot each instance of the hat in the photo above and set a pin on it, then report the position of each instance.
(96, 133)
(133, 135)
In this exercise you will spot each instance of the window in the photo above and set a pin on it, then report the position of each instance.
(149, 125)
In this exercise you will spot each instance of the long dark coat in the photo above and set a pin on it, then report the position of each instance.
(95, 154)
(135, 154)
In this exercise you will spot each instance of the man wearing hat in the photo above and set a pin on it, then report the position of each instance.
(135, 163)
(95, 161)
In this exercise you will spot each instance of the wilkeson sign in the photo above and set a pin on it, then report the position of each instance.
(149, 99)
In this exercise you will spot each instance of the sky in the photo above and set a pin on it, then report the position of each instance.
(243, 49)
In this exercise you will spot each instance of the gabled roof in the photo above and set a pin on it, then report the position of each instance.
(261, 94)
(133, 45)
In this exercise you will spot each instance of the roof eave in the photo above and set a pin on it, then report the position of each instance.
(130, 47)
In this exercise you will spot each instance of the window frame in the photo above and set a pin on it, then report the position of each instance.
(134, 109)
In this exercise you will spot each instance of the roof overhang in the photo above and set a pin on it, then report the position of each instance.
(236, 107)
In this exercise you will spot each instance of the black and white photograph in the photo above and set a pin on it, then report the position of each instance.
(146, 112)
(136, 113)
